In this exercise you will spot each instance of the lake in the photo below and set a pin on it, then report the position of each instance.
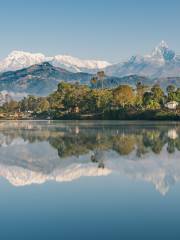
(89, 180)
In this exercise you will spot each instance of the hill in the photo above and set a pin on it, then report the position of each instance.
(39, 79)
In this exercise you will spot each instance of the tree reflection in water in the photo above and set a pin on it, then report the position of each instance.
(77, 140)
(105, 145)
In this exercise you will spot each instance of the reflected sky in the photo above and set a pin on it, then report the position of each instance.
(89, 180)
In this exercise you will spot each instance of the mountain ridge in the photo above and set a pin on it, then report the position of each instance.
(40, 79)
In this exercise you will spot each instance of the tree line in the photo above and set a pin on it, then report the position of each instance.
(74, 98)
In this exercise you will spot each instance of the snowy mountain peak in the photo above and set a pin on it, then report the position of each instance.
(76, 64)
(20, 59)
(16, 54)
(163, 52)
(163, 44)
(162, 62)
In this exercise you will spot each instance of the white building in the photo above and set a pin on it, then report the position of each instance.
(171, 105)
(172, 134)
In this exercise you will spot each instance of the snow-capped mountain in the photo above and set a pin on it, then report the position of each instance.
(78, 65)
(162, 53)
(162, 62)
(19, 59)
(19, 176)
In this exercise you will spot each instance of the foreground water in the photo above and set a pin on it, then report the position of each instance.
(89, 180)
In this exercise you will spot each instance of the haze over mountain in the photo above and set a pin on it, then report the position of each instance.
(161, 62)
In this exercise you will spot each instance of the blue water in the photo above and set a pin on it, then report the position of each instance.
(130, 196)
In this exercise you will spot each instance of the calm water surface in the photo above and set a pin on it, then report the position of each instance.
(89, 180)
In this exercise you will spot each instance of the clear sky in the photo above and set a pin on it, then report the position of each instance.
(100, 29)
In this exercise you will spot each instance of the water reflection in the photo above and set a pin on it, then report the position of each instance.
(36, 152)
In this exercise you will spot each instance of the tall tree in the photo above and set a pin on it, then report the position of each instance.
(171, 90)
(158, 94)
(123, 96)
(101, 75)
(141, 89)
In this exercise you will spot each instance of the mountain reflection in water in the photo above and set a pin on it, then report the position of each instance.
(36, 152)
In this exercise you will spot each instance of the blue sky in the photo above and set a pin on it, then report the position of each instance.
(109, 29)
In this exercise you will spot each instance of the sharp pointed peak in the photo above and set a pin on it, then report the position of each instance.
(163, 44)
(163, 52)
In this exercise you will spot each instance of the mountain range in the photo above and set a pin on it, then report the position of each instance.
(19, 59)
(161, 62)
(34, 73)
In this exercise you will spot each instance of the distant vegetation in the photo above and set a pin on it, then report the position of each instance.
(76, 101)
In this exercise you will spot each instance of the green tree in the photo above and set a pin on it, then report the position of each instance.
(23, 105)
(171, 91)
(153, 105)
(11, 106)
(101, 76)
(141, 89)
(74, 96)
(98, 100)
(170, 88)
(158, 94)
(43, 105)
(123, 96)
(178, 95)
